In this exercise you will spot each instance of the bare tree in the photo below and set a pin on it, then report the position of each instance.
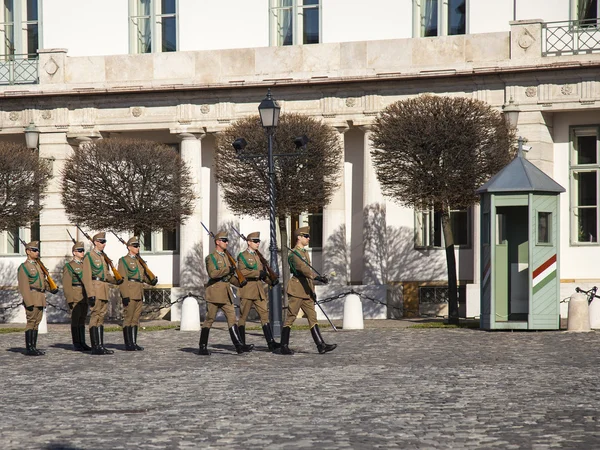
(304, 182)
(23, 179)
(433, 152)
(127, 185)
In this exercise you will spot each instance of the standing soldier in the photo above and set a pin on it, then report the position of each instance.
(253, 293)
(132, 293)
(72, 280)
(219, 295)
(301, 294)
(32, 287)
(96, 278)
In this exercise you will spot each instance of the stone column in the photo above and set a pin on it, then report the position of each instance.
(336, 226)
(537, 128)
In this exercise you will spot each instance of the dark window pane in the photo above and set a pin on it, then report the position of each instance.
(430, 18)
(143, 35)
(437, 229)
(169, 241)
(459, 221)
(310, 2)
(12, 241)
(32, 40)
(587, 190)
(311, 26)
(588, 10)
(146, 239)
(32, 10)
(315, 222)
(543, 234)
(167, 7)
(587, 225)
(169, 34)
(586, 150)
(457, 14)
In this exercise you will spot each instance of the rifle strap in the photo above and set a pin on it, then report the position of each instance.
(253, 266)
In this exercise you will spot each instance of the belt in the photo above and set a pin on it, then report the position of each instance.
(76, 284)
(98, 279)
(253, 279)
(36, 289)
(134, 279)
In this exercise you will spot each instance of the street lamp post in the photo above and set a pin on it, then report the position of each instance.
(269, 111)
(32, 139)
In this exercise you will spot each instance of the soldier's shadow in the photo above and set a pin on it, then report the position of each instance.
(63, 346)
(16, 350)
(212, 350)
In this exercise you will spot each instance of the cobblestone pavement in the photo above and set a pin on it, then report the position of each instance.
(383, 387)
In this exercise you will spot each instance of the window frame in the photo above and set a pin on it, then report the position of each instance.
(19, 30)
(23, 232)
(155, 27)
(442, 18)
(575, 168)
(156, 244)
(429, 223)
(297, 9)
(549, 231)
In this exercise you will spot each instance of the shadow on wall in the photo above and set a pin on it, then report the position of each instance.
(10, 299)
(193, 274)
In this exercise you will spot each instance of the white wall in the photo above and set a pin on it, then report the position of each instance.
(86, 28)
(210, 25)
(547, 10)
(490, 16)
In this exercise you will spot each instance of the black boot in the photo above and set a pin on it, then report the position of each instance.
(321, 345)
(128, 338)
(242, 331)
(285, 341)
(133, 332)
(34, 343)
(104, 349)
(269, 337)
(29, 344)
(95, 340)
(76, 339)
(204, 342)
(235, 338)
(84, 346)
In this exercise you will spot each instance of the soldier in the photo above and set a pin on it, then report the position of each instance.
(132, 293)
(72, 280)
(219, 295)
(301, 294)
(96, 278)
(32, 287)
(253, 293)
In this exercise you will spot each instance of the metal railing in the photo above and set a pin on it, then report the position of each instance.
(18, 69)
(571, 37)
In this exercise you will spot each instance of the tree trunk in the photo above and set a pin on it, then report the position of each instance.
(451, 263)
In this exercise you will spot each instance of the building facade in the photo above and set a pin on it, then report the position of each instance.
(181, 71)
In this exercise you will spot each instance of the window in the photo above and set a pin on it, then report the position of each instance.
(587, 12)
(544, 231)
(441, 18)
(295, 22)
(315, 222)
(160, 241)
(584, 174)
(19, 28)
(9, 241)
(153, 26)
(429, 232)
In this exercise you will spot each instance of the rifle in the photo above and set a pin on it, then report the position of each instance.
(315, 299)
(153, 278)
(76, 274)
(233, 262)
(116, 274)
(52, 287)
(273, 277)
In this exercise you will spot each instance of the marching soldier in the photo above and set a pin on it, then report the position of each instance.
(72, 280)
(253, 293)
(301, 294)
(32, 287)
(219, 295)
(96, 278)
(132, 293)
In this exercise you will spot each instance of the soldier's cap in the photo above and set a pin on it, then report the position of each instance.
(133, 240)
(77, 246)
(220, 234)
(32, 244)
(301, 230)
(255, 235)
(101, 235)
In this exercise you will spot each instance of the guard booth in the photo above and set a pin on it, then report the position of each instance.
(519, 249)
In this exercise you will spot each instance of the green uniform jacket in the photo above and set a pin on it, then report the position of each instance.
(218, 289)
(250, 266)
(131, 269)
(301, 284)
(29, 276)
(73, 275)
(94, 266)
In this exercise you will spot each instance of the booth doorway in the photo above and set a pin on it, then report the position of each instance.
(512, 263)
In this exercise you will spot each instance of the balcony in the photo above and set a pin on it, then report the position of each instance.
(572, 37)
(18, 69)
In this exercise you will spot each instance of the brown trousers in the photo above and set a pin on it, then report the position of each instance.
(79, 312)
(294, 305)
(211, 314)
(261, 306)
(98, 312)
(34, 317)
(132, 313)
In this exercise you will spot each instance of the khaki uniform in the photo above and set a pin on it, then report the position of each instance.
(72, 281)
(132, 288)
(96, 277)
(301, 288)
(32, 287)
(218, 291)
(253, 293)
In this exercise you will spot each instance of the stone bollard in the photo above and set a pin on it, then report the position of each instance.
(579, 315)
(190, 315)
(594, 308)
(43, 326)
(353, 313)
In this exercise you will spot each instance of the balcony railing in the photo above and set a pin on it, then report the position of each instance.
(18, 69)
(571, 37)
